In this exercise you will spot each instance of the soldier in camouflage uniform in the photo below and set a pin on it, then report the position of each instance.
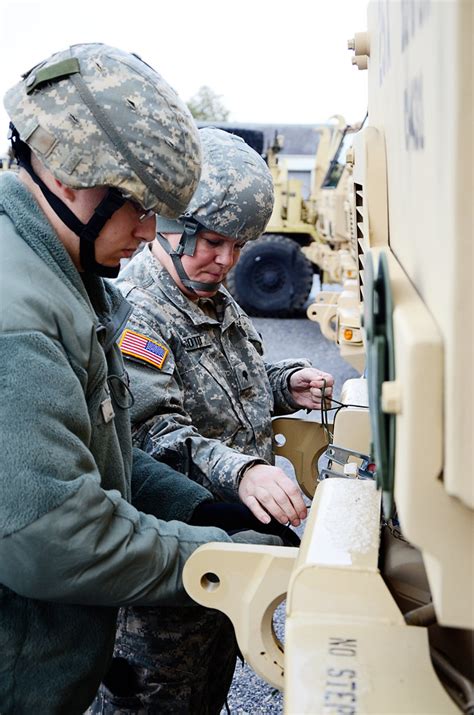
(205, 404)
(204, 398)
(103, 143)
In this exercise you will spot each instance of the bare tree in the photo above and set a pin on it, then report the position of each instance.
(206, 106)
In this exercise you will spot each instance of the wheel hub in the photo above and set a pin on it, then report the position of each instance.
(269, 277)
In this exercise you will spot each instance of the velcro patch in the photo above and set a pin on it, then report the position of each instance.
(139, 346)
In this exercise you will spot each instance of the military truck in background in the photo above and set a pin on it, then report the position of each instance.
(274, 276)
(380, 595)
(338, 311)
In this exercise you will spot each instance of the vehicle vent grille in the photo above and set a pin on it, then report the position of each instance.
(361, 238)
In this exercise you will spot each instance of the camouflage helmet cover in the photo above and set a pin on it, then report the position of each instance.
(111, 121)
(235, 193)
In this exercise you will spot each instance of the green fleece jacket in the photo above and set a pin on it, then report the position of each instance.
(72, 547)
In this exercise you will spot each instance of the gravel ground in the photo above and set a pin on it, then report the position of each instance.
(284, 338)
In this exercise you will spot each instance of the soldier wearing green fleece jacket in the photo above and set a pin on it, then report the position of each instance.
(103, 143)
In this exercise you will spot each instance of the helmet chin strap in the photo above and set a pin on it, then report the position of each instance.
(87, 232)
(187, 247)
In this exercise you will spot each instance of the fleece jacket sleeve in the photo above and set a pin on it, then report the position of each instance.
(62, 536)
(162, 491)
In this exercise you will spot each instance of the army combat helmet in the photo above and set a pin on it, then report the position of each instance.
(97, 116)
(234, 198)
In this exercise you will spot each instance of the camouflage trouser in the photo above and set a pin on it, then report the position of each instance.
(169, 660)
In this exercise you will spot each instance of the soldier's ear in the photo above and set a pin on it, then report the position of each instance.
(65, 192)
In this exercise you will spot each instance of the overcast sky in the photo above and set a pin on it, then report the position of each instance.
(270, 60)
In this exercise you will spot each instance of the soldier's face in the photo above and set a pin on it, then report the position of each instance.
(122, 233)
(213, 258)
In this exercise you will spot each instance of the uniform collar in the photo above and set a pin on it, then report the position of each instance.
(144, 271)
(111, 308)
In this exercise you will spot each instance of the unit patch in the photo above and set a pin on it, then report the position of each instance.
(139, 346)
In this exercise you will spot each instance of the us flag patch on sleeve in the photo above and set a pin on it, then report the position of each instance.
(139, 346)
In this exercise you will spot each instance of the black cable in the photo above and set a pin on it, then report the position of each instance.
(347, 404)
(324, 413)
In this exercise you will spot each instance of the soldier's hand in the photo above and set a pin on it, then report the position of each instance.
(268, 490)
(306, 387)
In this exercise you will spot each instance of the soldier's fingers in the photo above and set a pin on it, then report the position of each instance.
(317, 393)
(329, 379)
(278, 513)
(277, 503)
(293, 493)
(252, 503)
(320, 383)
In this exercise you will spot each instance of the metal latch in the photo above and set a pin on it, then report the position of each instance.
(362, 468)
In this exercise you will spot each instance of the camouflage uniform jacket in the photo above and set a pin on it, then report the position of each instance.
(207, 410)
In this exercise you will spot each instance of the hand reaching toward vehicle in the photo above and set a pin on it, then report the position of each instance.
(268, 490)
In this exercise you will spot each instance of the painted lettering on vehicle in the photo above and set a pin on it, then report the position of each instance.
(413, 17)
(413, 114)
(340, 686)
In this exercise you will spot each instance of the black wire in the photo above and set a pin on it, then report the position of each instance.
(347, 404)
(338, 409)
(341, 404)
(324, 413)
(325, 409)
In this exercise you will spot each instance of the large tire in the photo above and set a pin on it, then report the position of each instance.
(273, 277)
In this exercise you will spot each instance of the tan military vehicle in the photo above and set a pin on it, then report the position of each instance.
(332, 211)
(274, 276)
(336, 251)
(380, 595)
